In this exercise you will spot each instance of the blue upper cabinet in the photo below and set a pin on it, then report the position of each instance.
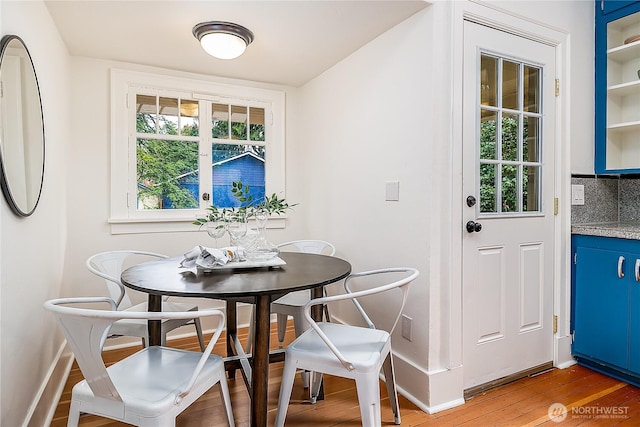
(617, 87)
(608, 6)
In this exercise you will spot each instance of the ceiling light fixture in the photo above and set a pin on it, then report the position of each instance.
(224, 40)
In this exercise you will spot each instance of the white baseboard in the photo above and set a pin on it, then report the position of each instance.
(45, 402)
(563, 357)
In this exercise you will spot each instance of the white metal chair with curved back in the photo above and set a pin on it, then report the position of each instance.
(149, 388)
(349, 351)
(293, 303)
(108, 265)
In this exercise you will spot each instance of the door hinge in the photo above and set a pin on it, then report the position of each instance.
(555, 206)
(557, 87)
(555, 324)
(575, 258)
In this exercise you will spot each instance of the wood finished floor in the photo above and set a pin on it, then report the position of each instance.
(521, 403)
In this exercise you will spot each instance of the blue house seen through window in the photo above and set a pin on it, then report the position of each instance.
(246, 167)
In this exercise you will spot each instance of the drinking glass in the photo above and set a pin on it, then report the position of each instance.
(216, 229)
(236, 225)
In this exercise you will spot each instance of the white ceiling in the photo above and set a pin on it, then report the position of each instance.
(295, 40)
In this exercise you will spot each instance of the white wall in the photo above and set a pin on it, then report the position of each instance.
(89, 184)
(366, 121)
(33, 248)
(384, 114)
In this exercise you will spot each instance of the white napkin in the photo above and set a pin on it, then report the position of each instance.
(203, 257)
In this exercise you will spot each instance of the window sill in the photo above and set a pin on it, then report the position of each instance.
(169, 225)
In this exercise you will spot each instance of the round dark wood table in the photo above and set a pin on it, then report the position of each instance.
(259, 286)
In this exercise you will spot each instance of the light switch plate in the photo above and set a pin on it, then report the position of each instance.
(577, 194)
(392, 191)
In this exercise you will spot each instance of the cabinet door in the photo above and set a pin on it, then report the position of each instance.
(634, 325)
(601, 305)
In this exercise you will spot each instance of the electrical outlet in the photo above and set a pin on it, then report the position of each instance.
(577, 194)
(407, 323)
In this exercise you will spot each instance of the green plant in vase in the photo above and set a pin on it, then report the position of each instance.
(258, 248)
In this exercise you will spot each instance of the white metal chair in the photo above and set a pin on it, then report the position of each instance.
(293, 303)
(348, 351)
(108, 265)
(149, 388)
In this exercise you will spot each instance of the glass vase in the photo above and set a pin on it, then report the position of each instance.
(261, 249)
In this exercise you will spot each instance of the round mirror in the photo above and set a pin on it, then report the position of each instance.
(21, 128)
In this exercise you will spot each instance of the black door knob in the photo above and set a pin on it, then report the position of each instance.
(473, 227)
(471, 201)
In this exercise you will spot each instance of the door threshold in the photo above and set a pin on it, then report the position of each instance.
(474, 391)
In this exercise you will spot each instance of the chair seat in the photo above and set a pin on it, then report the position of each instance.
(295, 299)
(363, 347)
(148, 394)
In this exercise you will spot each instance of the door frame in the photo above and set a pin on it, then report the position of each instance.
(502, 20)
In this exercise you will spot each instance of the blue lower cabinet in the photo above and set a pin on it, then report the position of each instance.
(634, 332)
(606, 305)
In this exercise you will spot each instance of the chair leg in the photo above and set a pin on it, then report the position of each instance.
(251, 329)
(74, 414)
(300, 325)
(390, 380)
(198, 326)
(226, 399)
(286, 385)
(316, 383)
(368, 387)
(282, 328)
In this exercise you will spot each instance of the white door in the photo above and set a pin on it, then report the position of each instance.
(508, 211)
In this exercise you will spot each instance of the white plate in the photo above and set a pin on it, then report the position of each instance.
(244, 264)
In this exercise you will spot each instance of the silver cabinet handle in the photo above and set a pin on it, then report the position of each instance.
(638, 270)
(620, 265)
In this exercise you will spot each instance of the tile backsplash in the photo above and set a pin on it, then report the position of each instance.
(607, 199)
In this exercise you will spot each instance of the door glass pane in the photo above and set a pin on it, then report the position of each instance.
(487, 188)
(531, 139)
(530, 188)
(510, 85)
(220, 121)
(510, 137)
(531, 89)
(488, 135)
(167, 174)
(238, 122)
(510, 188)
(168, 116)
(488, 81)
(146, 114)
(189, 117)
(236, 162)
(256, 124)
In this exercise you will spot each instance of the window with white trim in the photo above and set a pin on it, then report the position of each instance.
(177, 144)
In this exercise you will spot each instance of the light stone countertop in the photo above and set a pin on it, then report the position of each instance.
(621, 230)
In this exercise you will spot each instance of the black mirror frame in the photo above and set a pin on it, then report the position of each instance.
(6, 190)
